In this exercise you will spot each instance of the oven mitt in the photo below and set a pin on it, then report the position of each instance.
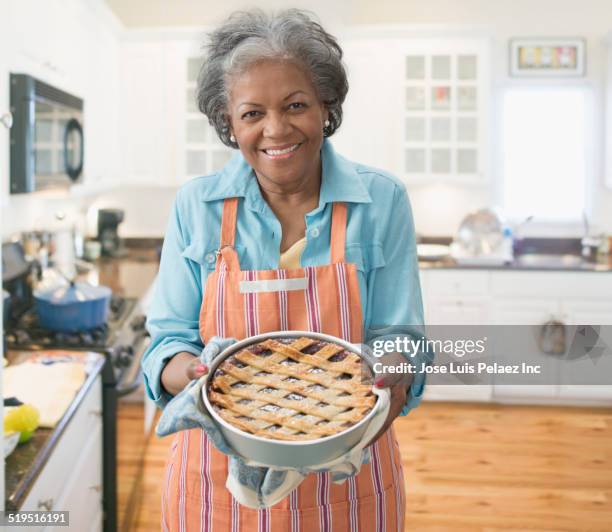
(253, 484)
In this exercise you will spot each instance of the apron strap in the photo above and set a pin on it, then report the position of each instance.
(226, 252)
(338, 232)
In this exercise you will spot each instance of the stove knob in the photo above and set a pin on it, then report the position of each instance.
(124, 356)
(22, 337)
(138, 323)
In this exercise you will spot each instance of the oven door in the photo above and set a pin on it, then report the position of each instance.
(132, 436)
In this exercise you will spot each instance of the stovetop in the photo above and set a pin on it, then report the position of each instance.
(26, 332)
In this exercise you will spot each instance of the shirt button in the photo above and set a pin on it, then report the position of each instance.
(210, 258)
(314, 233)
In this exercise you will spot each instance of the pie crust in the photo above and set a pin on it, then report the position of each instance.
(292, 389)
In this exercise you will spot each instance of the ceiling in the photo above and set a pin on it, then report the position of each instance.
(164, 13)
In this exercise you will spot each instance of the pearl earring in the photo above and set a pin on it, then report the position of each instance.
(232, 138)
(327, 123)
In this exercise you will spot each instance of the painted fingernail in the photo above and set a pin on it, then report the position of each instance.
(379, 382)
(202, 368)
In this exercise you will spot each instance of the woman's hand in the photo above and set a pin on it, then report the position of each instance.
(399, 383)
(180, 371)
(185, 367)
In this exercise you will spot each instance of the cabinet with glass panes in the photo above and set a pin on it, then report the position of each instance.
(445, 110)
(204, 152)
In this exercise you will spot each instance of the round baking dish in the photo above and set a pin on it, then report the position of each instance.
(281, 453)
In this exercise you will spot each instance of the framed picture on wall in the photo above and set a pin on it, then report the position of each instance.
(547, 57)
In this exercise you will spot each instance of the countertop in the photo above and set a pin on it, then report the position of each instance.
(26, 462)
(130, 275)
(550, 254)
(450, 264)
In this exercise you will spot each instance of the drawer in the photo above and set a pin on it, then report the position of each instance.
(59, 467)
(552, 284)
(453, 283)
(82, 495)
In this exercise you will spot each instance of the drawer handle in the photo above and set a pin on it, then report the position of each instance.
(97, 488)
(47, 504)
(97, 413)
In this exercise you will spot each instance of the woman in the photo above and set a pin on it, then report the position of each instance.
(286, 206)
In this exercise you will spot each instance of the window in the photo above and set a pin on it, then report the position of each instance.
(544, 152)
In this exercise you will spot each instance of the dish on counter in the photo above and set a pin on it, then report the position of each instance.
(11, 439)
(291, 398)
(432, 251)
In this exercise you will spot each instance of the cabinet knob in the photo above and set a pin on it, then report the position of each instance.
(97, 488)
(97, 413)
(46, 504)
(552, 337)
(7, 120)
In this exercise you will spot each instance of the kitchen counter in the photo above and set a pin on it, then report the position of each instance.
(131, 276)
(533, 254)
(450, 264)
(26, 462)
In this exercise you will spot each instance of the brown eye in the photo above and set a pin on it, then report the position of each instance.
(250, 114)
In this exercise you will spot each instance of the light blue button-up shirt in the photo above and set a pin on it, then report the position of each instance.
(380, 240)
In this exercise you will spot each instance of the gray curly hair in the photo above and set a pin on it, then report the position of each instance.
(250, 36)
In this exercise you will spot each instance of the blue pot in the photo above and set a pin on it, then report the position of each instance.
(73, 308)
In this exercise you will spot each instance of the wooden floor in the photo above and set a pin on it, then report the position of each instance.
(484, 468)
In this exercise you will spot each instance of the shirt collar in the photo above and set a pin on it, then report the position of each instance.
(340, 181)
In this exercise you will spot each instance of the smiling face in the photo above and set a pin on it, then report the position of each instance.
(277, 119)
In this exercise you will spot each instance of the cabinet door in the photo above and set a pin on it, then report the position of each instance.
(370, 131)
(457, 310)
(608, 107)
(49, 485)
(82, 495)
(594, 312)
(445, 107)
(527, 312)
(143, 113)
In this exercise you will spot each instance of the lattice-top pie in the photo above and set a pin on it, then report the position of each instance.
(291, 389)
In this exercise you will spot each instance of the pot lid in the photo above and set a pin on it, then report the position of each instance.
(73, 293)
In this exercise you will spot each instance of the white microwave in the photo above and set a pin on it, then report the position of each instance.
(47, 142)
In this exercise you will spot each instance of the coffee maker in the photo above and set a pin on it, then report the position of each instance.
(108, 234)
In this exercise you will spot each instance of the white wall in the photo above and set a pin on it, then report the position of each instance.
(438, 208)
(75, 46)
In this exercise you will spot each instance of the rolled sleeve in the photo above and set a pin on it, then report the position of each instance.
(395, 305)
(172, 320)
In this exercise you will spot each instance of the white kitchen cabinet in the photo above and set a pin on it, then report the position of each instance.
(371, 126)
(71, 479)
(201, 151)
(83, 491)
(586, 312)
(608, 110)
(445, 99)
(417, 107)
(142, 105)
(529, 298)
(158, 86)
(451, 299)
(534, 298)
(511, 312)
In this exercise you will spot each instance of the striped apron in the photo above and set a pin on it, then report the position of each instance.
(194, 497)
